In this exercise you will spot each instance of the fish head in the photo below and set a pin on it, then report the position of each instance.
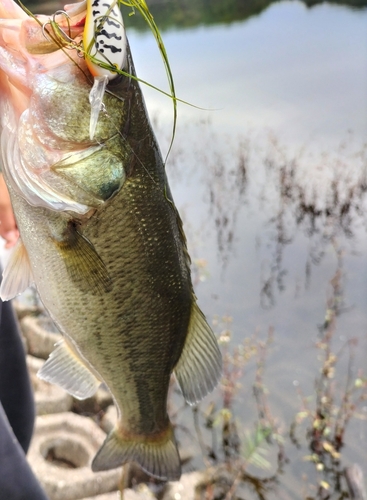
(51, 68)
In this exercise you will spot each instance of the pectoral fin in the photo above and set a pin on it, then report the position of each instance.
(17, 275)
(66, 369)
(84, 266)
(200, 366)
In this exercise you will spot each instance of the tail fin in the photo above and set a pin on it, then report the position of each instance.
(157, 457)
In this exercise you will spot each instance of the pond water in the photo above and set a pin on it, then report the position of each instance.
(270, 177)
(271, 181)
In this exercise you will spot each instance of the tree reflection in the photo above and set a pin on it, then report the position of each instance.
(219, 167)
(320, 196)
(299, 200)
(170, 14)
(227, 187)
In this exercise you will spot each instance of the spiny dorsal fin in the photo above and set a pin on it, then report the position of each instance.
(17, 275)
(200, 366)
(83, 264)
(158, 457)
(65, 369)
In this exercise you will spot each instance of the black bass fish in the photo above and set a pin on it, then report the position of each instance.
(100, 235)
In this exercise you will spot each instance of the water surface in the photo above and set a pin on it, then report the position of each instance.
(270, 178)
(271, 183)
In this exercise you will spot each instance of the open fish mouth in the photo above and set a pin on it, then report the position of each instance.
(37, 55)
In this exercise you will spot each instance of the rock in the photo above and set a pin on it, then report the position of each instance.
(140, 481)
(95, 404)
(128, 495)
(49, 398)
(141, 492)
(61, 453)
(184, 489)
(25, 309)
(109, 419)
(109, 496)
(40, 335)
(188, 449)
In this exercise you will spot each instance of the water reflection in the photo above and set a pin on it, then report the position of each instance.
(189, 13)
(340, 392)
(322, 195)
(258, 460)
(305, 208)
(305, 195)
(170, 14)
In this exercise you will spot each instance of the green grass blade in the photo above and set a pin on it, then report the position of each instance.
(142, 7)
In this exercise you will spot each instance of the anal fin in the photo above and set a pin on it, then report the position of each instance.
(17, 275)
(65, 369)
(200, 366)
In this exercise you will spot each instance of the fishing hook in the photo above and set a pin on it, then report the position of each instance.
(59, 33)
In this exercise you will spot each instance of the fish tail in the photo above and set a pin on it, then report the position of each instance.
(156, 455)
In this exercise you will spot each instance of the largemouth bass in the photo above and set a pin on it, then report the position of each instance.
(100, 235)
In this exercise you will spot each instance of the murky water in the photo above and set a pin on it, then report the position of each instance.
(271, 181)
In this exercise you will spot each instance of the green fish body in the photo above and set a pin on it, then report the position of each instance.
(103, 242)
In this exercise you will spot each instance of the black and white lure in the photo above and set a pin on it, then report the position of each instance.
(105, 44)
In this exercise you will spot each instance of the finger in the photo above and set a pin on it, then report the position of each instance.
(11, 238)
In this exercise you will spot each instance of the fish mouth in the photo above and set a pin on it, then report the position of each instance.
(32, 44)
(38, 55)
(91, 36)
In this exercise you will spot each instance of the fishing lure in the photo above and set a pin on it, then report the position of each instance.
(104, 38)
(105, 48)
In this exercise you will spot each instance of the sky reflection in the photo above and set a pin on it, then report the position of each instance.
(299, 71)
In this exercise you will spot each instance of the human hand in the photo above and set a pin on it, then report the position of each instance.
(8, 226)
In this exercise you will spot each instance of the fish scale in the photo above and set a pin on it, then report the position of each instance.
(115, 275)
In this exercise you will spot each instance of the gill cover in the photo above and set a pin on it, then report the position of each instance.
(104, 38)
